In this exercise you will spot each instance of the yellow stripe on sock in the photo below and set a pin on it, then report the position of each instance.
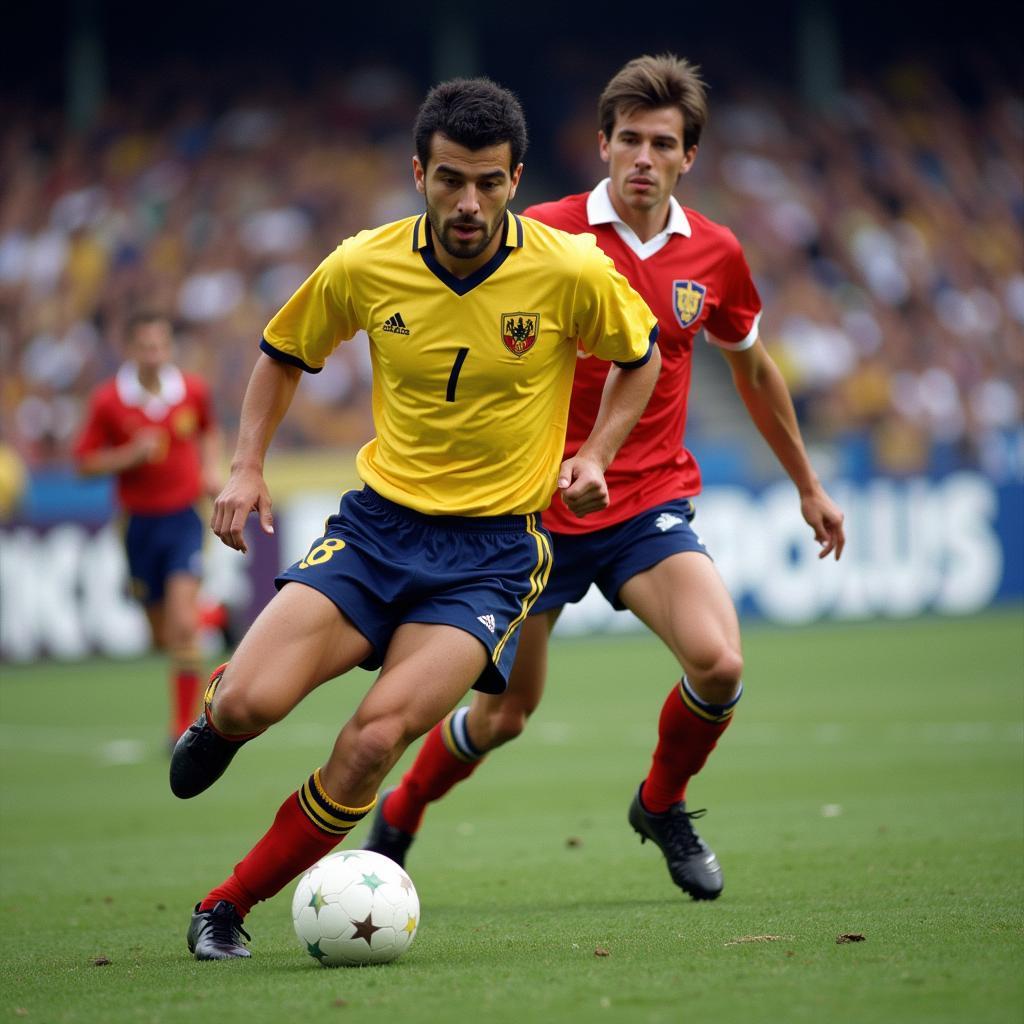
(703, 713)
(448, 739)
(355, 812)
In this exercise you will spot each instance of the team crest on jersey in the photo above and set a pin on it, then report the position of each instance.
(185, 422)
(687, 301)
(519, 331)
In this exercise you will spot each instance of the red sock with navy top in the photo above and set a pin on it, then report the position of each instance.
(308, 825)
(445, 759)
(688, 730)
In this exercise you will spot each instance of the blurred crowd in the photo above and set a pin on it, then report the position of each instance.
(884, 232)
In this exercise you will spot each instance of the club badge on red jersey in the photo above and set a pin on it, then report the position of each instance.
(519, 331)
(687, 301)
(184, 421)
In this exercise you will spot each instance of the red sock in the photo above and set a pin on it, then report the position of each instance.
(308, 825)
(434, 772)
(688, 730)
(184, 698)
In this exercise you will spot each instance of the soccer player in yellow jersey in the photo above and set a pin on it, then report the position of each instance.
(474, 317)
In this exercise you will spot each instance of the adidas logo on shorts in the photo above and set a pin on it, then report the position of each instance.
(666, 521)
(487, 620)
(395, 325)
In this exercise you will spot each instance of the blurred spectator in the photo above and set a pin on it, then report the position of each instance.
(885, 234)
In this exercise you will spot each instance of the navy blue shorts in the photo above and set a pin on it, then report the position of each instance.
(160, 546)
(383, 564)
(615, 554)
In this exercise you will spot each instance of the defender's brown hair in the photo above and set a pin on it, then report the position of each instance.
(648, 83)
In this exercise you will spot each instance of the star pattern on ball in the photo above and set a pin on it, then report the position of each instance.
(405, 882)
(372, 882)
(410, 925)
(313, 948)
(365, 929)
(317, 899)
(349, 854)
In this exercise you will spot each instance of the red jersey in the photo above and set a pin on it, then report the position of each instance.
(121, 407)
(697, 279)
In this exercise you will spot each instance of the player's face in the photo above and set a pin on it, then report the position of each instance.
(645, 157)
(151, 346)
(467, 193)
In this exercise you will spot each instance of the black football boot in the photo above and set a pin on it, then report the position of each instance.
(385, 838)
(202, 755)
(216, 934)
(691, 863)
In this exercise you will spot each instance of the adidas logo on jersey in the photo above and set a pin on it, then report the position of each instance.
(487, 620)
(395, 325)
(666, 521)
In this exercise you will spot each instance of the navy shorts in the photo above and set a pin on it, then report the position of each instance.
(159, 546)
(383, 564)
(613, 555)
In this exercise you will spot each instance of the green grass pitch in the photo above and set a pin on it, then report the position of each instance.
(871, 784)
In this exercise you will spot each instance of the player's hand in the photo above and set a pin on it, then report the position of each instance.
(582, 486)
(246, 491)
(149, 445)
(825, 517)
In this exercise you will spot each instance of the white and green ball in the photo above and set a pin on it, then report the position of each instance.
(355, 907)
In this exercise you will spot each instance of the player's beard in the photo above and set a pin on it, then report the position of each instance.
(464, 250)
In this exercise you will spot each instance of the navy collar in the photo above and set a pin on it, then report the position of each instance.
(422, 240)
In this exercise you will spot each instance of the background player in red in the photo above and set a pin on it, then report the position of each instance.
(641, 550)
(152, 427)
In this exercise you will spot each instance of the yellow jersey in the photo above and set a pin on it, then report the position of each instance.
(471, 376)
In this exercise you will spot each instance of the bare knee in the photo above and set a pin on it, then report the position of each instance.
(180, 630)
(371, 748)
(237, 709)
(717, 680)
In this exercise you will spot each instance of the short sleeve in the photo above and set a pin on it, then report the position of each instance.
(732, 324)
(612, 321)
(309, 326)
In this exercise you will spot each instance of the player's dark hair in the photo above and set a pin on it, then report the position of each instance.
(472, 112)
(650, 83)
(142, 317)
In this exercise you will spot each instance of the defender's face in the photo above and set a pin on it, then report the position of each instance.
(152, 345)
(645, 156)
(467, 193)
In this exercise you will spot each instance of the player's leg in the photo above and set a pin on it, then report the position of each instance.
(454, 748)
(684, 601)
(179, 541)
(155, 617)
(398, 708)
(180, 630)
(299, 641)
(149, 540)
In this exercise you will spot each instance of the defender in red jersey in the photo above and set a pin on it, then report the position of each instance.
(152, 427)
(640, 550)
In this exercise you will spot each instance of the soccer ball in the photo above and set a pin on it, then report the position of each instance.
(355, 907)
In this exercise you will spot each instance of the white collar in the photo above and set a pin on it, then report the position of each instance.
(601, 211)
(155, 406)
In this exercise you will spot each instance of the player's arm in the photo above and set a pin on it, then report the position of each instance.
(211, 455)
(623, 400)
(761, 386)
(95, 456)
(142, 448)
(267, 398)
